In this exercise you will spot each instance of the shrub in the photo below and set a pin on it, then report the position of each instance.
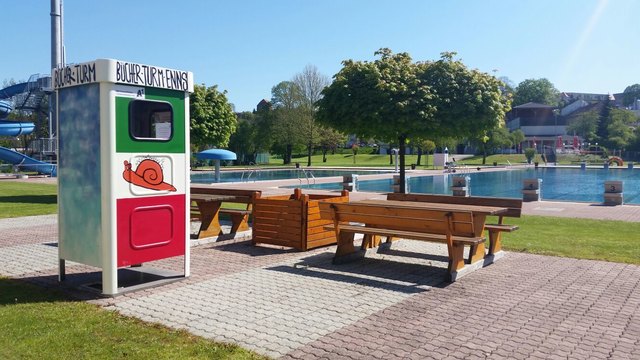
(529, 153)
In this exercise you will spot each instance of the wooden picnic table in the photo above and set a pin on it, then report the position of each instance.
(457, 225)
(209, 208)
(480, 212)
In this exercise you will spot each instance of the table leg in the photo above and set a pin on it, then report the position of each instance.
(495, 242)
(209, 217)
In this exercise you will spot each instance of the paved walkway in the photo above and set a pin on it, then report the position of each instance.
(294, 305)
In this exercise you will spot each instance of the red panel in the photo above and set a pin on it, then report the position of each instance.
(150, 228)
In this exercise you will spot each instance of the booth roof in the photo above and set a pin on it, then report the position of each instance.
(216, 154)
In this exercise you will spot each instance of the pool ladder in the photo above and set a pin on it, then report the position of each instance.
(255, 172)
(308, 175)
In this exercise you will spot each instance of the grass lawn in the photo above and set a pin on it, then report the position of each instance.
(577, 238)
(39, 324)
(26, 199)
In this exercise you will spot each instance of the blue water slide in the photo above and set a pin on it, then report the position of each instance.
(27, 163)
(16, 128)
(5, 109)
(13, 90)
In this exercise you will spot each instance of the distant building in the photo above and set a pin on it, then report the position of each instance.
(263, 105)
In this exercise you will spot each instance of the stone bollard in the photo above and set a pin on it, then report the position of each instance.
(350, 182)
(460, 185)
(396, 183)
(531, 189)
(613, 194)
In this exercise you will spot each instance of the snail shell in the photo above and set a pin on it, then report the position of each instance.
(150, 171)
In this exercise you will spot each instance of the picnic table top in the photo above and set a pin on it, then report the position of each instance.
(477, 209)
(212, 197)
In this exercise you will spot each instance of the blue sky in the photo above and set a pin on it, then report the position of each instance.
(247, 47)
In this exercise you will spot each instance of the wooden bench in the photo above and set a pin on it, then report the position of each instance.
(514, 210)
(239, 217)
(456, 229)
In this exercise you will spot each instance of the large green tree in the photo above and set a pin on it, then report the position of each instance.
(212, 117)
(393, 97)
(539, 91)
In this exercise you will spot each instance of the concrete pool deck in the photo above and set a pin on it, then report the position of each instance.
(394, 305)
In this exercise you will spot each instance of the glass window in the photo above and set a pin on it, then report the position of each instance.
(150, 120)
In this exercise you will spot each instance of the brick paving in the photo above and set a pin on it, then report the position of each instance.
(393, 305)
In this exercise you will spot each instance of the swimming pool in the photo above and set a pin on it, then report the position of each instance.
(559, 184)
(282, 174)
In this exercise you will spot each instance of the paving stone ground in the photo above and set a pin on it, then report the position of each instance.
(393, 305)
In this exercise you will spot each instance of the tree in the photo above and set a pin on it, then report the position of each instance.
(427, 146)
(381, 99)
(395, 97)
(517, 137)
(287, 119)
(328, 139)
(539, 91)
(499, 138)
(619, 128)
(585, 125)
(631, 94)
(212, 119)
(310, 83)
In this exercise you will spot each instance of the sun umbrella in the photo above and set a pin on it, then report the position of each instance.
(216, 155)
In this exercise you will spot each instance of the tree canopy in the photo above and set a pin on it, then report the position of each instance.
(631, 94)
(396, 98)
(212, 117)
(539, 91)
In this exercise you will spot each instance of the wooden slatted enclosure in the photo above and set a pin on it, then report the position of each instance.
(293, 220)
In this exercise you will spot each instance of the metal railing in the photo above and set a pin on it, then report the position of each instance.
(250, 172)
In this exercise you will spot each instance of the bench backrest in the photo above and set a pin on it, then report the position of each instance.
(406, 219)
(514, 205)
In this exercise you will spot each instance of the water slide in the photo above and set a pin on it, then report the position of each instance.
(17, 128)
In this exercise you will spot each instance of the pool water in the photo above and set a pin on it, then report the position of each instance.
(559, 184)
(284, 174)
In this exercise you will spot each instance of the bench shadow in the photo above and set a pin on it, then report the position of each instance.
(247, 248)
(416, 255)
(384, 274)
(30, 199)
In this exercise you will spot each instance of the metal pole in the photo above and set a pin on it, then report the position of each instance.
(56, 57)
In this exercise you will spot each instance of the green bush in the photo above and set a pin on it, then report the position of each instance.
(529, 153)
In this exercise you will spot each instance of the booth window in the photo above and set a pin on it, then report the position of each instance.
(150, 120)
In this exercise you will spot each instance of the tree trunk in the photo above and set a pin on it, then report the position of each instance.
(324, 154)
(287, 154)
(419, 156)
(402, 147)
(484, 154)
(309, 150)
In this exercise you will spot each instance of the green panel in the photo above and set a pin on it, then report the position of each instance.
(124, 141)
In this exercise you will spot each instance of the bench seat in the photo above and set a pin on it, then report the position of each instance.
(441, 238)
(501, 227)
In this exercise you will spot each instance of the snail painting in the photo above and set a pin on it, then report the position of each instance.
(148, 175)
